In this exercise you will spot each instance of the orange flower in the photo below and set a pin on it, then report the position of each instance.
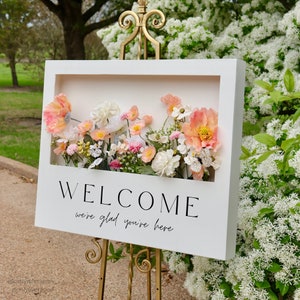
(148, 154)
(57, 114)
(171, 101)
(98, 134)
(198, 175)
(133, 113)
(202, 130)
(147, 119)
(61, 146)
(136, 128)
(84, 127)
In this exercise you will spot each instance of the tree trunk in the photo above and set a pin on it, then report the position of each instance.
(12, 65)
(74, 43)
(74, 27)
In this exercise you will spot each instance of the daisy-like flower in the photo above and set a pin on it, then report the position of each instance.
(157, 137)
(57, 114)
(96, 149)
(179, 113)
(165, 163)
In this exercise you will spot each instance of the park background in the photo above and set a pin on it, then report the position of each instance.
(266, 35)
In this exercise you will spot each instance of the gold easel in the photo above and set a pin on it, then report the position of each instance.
(140, 21)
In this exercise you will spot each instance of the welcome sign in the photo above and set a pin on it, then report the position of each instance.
(156, 208)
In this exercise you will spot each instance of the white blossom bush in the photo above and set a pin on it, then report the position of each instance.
(266, 34)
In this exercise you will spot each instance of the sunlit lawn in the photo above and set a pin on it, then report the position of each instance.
(20, 118)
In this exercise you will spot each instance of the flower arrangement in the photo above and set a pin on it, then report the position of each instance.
(186, 146)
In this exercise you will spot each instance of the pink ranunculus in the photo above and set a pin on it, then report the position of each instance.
(115, 164)
(148, 154)
(171, 101)
(57, 114)
(202, 129)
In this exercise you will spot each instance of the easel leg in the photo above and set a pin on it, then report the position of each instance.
(103, 270)
(130, 272)
(158, 274)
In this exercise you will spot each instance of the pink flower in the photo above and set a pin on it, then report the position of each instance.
(133, 113)
(198, 175)
(175, 135)
(171, 101)
(147, 119)
(135, 146)
(84, 127)
(202, 129)
(137, 127)
(148, 154)
(115, 164)
(72, 149)
(98, 134)
(57, 114)
(61, 146)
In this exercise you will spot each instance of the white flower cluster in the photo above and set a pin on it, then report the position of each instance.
(267, 37)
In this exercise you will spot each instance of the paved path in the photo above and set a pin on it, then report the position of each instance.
(37, 263)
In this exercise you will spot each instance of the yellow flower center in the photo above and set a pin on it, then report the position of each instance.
(205, 133)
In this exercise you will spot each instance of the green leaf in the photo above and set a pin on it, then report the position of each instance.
(264, 156)
(226, 289)
(265, 85)
(256, 244)
(285, 145)
(265, 139)
(283, 288)
(262, 284)
(275, 267)
(245, 153)
(265, 212)
(295, 95)
(296, 115)
(289, 81)
(272, 295)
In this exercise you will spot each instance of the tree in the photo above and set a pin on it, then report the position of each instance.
(79, 18)
(15, 18)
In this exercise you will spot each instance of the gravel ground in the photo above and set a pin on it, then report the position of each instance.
(37, 263)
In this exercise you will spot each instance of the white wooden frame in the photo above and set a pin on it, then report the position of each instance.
(205, 221)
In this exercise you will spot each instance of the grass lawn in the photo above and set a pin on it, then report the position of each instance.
(20, 117)
(25, 77)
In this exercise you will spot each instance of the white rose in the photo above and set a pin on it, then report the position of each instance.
(164, 163)
(103, 112)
